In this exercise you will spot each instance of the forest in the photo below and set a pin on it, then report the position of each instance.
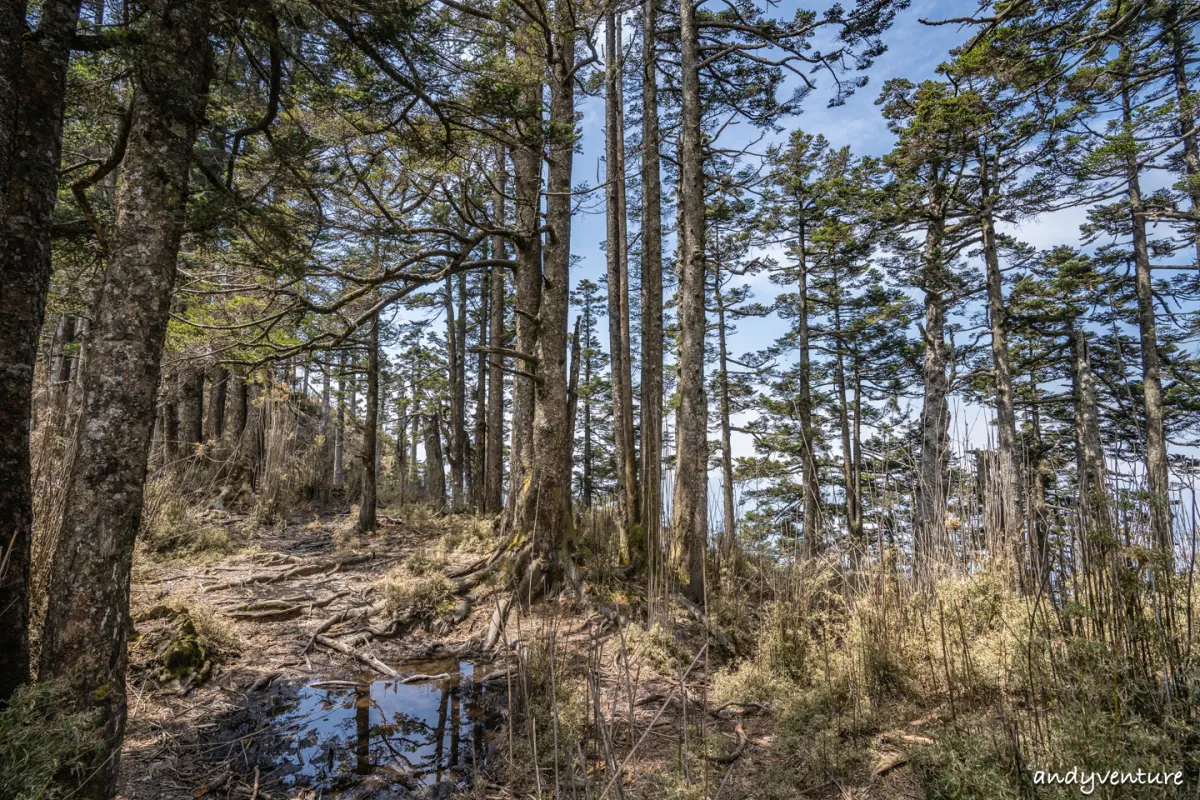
(418, 399)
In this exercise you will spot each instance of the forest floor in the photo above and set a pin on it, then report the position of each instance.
(229, 697)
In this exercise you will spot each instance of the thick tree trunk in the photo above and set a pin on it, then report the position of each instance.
(87, 619)
(366, 508)
(32, 87)
(214, 421)
(690, 507)
(493, 493)
(929, 514)
(1157, 474)
(616, 253)
(1009, 477)
(543, 503)
(652, 299)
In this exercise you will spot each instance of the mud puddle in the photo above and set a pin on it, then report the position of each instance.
(374, 737)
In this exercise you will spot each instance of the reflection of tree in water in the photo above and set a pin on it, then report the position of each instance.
(418, 744)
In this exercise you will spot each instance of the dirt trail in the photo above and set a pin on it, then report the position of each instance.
(188, 742)
(228, 737)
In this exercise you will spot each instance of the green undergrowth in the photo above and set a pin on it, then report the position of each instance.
(39, 738)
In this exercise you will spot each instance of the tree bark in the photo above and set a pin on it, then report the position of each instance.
(402, 440)
(690, 507)
(813, 539)
(493, 493)
(366, 509)
(527, 176)
(1010, 481)
(929, 514)
(191, 408)
(214, 421)
(1089, 450)
(240, 412)
(435, 466)
(652, 299)
(543, 503)
(454, 356)
(1187, 121)
(616, 254)
(339, 434)
(479, 451)
(32, 88)
(726, 432)
(1157, 473)
(88, 610)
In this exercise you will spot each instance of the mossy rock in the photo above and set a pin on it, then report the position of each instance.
(183, 660)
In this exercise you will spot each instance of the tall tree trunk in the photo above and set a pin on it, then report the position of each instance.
(32, 87)
(813, 538)
(191, 407)
(690, 507)
(1157, 474)
(618, 298)
(652, 291)
(462, 446)
(454, 356)
(1010, 482)
(339, 440)
(214, 422)
(929, 514)
(1187, 121)
(366, 508)
(726, 433)
(435, 465)
(1089, 450)
(402, 440)
(847, 451)
(325, 394)
(87, 618)
(588, 333)
(479, 452)
(62, 372)
(240, 411)
(527, 175)
(543, 502)
(494, 479)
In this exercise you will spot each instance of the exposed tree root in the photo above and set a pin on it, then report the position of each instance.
(737, 752)
(298, 571)
(361, 612)
(281, 610)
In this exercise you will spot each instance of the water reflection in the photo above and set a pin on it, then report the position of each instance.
(417, 734)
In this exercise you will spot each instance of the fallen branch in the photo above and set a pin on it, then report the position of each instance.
(361, 655)
(422, 678)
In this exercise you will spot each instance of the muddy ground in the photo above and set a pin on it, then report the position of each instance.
(281, 716)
